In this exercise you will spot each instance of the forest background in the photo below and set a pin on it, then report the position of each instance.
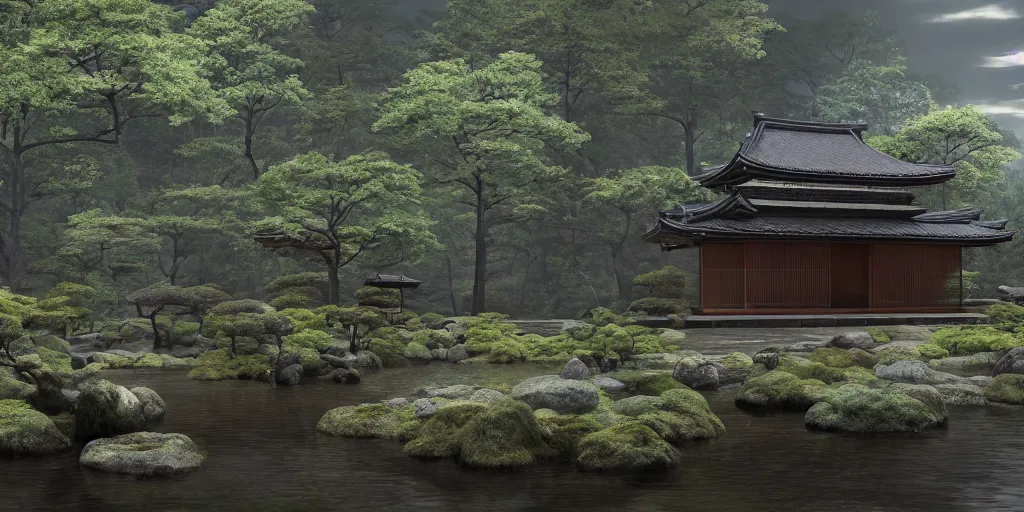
(508, 154)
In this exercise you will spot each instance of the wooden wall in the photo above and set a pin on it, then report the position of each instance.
(760, 275)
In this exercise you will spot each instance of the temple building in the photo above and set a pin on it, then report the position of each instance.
(812, 219)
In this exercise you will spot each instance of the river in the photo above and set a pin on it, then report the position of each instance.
(265, 454)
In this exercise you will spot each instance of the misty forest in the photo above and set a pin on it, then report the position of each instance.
(307, 223)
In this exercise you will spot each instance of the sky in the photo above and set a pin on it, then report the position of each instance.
(976, 45)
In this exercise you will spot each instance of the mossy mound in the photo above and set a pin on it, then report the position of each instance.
(148, 361)
(563, 433)
(859, 375)
(505, 435)
(737, 361)
(626, 446)
(881, 336)
(843, 358)
(439, 435)
(218, 365)
(433, 338)
(310, 338)
(812, 371)
(370, 421)
(143, 454)
(964, 340)
(1007, 388)
(52, 342)
(25, 431)
(857, 408)
(647, 383)
(104, 409)
(780, 390)
(113, 361)
(506, 351)
(417, 351)
(924, 352)
(677, 415)
(12, 388)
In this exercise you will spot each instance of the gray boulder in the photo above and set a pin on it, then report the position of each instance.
(182, 352)
(608, 384)
(856, 339)
(290, 375)
(980, 380)
(153, 407)
(337, 351)
(26, 431)
(424, 408)
(456, 392)
(344, 376)
(84, 339)
(457, 353)
(1014, 294)
(104, 409)
(367, 359)
(334, 361)
(560, 395)
(487, 396)
(915, 372)
(698, 375)
(1011, 362)
(143, 454)
(962, 394)
(768, 358)
(575, 370)
(80, 360)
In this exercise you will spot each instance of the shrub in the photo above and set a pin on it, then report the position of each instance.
(967, 340)
(660, 306)
(310, 285)
(389, 344)
(304, 319)
(384, 298)
(180, 330)
(432, 339)
(234, 307)
(667, 282)
(1005, 316)
(879, 335)
(291, 301)
(218, 365)
(601, 317)
(432, 320)
(506, 351)
(311, 339)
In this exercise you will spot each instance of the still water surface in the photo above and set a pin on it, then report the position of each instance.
(265, 454)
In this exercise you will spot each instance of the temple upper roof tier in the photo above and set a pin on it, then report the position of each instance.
(810, 152)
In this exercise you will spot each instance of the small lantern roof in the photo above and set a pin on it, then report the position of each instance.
(392, 281)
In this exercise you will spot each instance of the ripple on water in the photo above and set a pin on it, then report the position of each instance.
(265, 454)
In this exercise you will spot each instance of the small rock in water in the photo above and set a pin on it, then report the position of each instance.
(703, 376)
(768, 358)
(608, 384)
(143, 454)
(561, 395)
(457, 353)
(424, 408)
(915, 372)
(153, 407)
(344, 376)
(290, 376)
(575, 370)
(367, 359)
(397, 403)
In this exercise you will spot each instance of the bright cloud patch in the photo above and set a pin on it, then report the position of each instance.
(1002, 110)
(1004, 61)
(989, 12)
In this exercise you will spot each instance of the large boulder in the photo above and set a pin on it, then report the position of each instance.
(12, 387)
(334, 361)
(1011, 362)
(575, 369)
(143, 454)
(915, 372)
(104, 409)
(608, 384)
(182, 352)
(779, 390)
(504, 435)
(768, 358)
(457, 353)
(982, 362)
(1007, 388)
(486, 396)
(417, 351)
(367, 359)
(857, 408)
(560, 395)
(962, 394)
(25, 431)
(856, 339)
(290, 375)
(696, 374)
(677, 415)
(626, 446)
(153, 407)
(1014, 294)
(344, 376)
(369, 421)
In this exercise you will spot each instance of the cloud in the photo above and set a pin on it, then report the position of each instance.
(988, 12)
(996, 109)
(1004, 61)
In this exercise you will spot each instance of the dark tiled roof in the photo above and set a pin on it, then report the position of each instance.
(785, 191)
(392, 281)
(780, 149)
(671, 231)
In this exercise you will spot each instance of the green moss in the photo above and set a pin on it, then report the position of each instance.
(291, 301)
(113, 361)
(879, 335)
(813, 371)
(304, 319)
(648, 383)
(1007, 388)
(309, 359)
(626, 446)
(434, 338)
(637, 405)
(506, 434)
(506, 351)
(310, 338)
(965, 340)
(218, 365)
(656, 306)
(389, 344)
(25, 431)
(481, 339)
(841, 358)
(57, 361)
(563, 433)
(384, 298)
(859, 375)
(148, 361)
(1005, 316)
(778, 389)
(929, 351)
(677, 415)
(370, 421)
(432, 320)
(51, 342)
(439, 435)
(179, 331)
(417, 351)
(857, 408)
(737, 361)
(11, 388)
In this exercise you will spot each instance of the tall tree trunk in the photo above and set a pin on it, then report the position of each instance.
(624, 283)
(690, 131)
(451, 286)
(480, 267)
(249, 129)
(333, 285)
(12, 244)
(157, 342)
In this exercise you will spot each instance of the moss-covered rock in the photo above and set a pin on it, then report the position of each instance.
(780, 390)
(148, 361)
(504, 435)
(113, 361)
(879, 335)
(434, 338)
(737, 361)
(104, 409)
(52, 342)
(417, 351)
(562, 395)
(843, 358)
(370, 421)
(153, 407)
(389, 343)
(506, 351)
(965, 340)
(143, 454)
(218, 365)
(439, 436)
(626, 446)
(810, 370)
(648, 383)
(563, 433)
(857, 408)
(12, 388)
(25, 431)
(1007, 388)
